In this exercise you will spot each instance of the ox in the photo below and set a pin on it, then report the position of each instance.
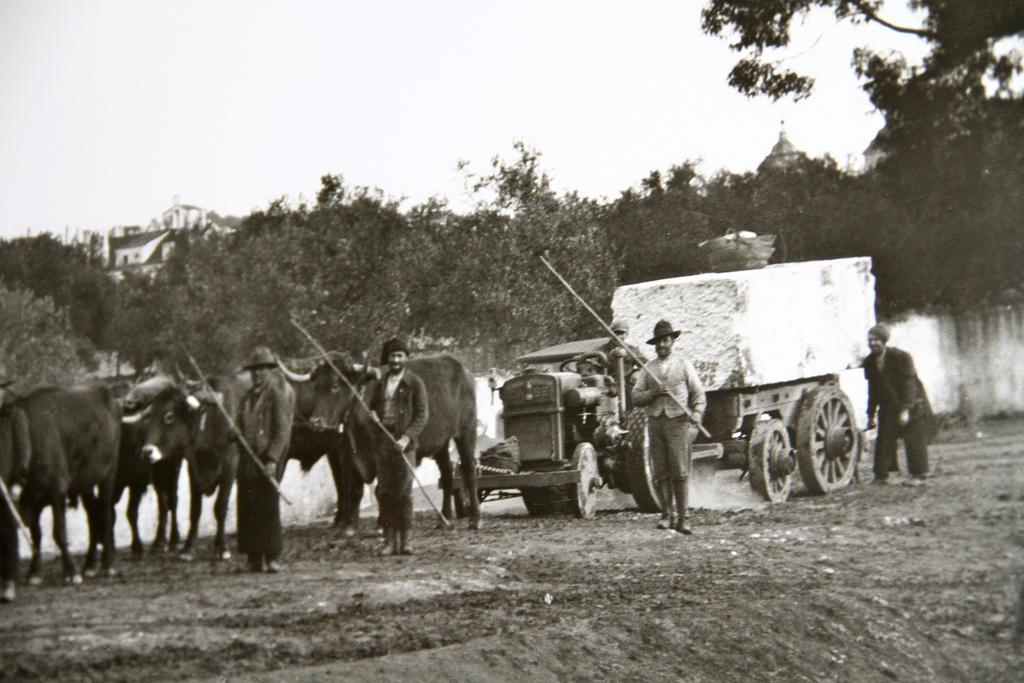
(74, 436)
(136, 473)
(193, 427)
(452, 398)
(319, 395)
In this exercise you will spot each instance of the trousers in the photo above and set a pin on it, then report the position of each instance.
(915, 439)
(670, 441)
(394, 485)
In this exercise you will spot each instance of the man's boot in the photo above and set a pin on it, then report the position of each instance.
(665, 493)
(682, 496)
(404, 548)
(255, 561)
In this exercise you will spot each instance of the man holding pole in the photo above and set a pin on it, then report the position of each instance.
(15, 454)
(265, 423)
(668, 384)
(400, 403)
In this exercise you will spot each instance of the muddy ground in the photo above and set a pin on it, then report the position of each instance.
(871, 584)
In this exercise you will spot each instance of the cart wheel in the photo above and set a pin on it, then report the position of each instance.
(827, 440)
(547, 500)
(770, 462)
(639, 470)
(584, 461)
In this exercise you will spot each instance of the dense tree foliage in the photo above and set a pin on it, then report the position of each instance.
(37, 342)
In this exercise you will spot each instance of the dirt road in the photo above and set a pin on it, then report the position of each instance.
(873, 583)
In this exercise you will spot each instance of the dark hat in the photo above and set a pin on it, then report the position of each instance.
(4, 382)
(880, 331)
(392, 345)
(663, 329)
(261, 357)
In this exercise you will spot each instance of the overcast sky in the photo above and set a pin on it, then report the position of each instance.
(110, 109)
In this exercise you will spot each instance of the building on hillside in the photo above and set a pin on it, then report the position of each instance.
(784, 155)
(135, 249)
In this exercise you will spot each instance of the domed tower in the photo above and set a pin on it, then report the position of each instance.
(783, 155)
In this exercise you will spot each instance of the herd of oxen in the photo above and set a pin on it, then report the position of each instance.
(86, 443)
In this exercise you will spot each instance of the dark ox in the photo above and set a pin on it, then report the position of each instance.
(74, 437)
(315, 434)
(192, 426)
(451, 395)
(136, 472)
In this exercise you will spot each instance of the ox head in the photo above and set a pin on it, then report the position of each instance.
(323, 398)
(171, 418)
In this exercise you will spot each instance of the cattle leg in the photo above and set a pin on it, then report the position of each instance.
(104, 506)
(132, 513)
(444, 466)
(171, 504)
(30, 514)
(349, 485)
(335, 460)
(466, 446)
(160, 539)
(95, 533)
(60, 537)
(195, 511)
(220, 511)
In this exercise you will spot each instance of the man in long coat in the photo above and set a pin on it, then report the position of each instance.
(15, 453)
(265, 421)
(896, 394)
(400, 403)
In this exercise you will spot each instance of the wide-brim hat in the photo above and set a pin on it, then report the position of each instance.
(663, 329)
(261, 357)
(392, 345)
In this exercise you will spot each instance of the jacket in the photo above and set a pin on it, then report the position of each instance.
(411, 409)
(679, 375)
(265, 419)
(896, 386)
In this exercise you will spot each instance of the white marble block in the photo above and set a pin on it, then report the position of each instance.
(755, 327)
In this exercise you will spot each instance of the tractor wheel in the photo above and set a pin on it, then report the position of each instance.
(584, 461)
(770, 462)
(639, 470)
(827, 440)
(548, 500)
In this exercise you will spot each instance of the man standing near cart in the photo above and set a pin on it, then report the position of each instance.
(400, 403)
(896, 394)
(14, 446)
(665, 385)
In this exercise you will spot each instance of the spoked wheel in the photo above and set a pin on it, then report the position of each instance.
(770, 462)
(584, 461)
(549, 500)
(827, 440)
(639, 470)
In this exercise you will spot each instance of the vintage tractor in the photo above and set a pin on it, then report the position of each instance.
(775, 407)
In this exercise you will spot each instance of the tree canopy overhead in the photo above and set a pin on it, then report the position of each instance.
(962, 34)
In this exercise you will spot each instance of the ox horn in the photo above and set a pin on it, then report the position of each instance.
(293, 376)
(136, 417)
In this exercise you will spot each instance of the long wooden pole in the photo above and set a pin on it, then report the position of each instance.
(640, 361)
(17, 517)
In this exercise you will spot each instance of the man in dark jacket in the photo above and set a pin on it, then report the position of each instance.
(265, 422)
(897, 396)
(15, 453)
(400, 402)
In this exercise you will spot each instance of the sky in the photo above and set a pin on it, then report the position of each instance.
(112, 108)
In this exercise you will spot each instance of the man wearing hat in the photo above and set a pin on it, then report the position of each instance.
(15, 454)
(265, 422)
(896, 394)
(616, 347)
(400, 402)
(668, 383)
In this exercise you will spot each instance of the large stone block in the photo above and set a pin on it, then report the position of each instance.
(755, 327)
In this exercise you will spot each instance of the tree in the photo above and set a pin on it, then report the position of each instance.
(37, 342)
